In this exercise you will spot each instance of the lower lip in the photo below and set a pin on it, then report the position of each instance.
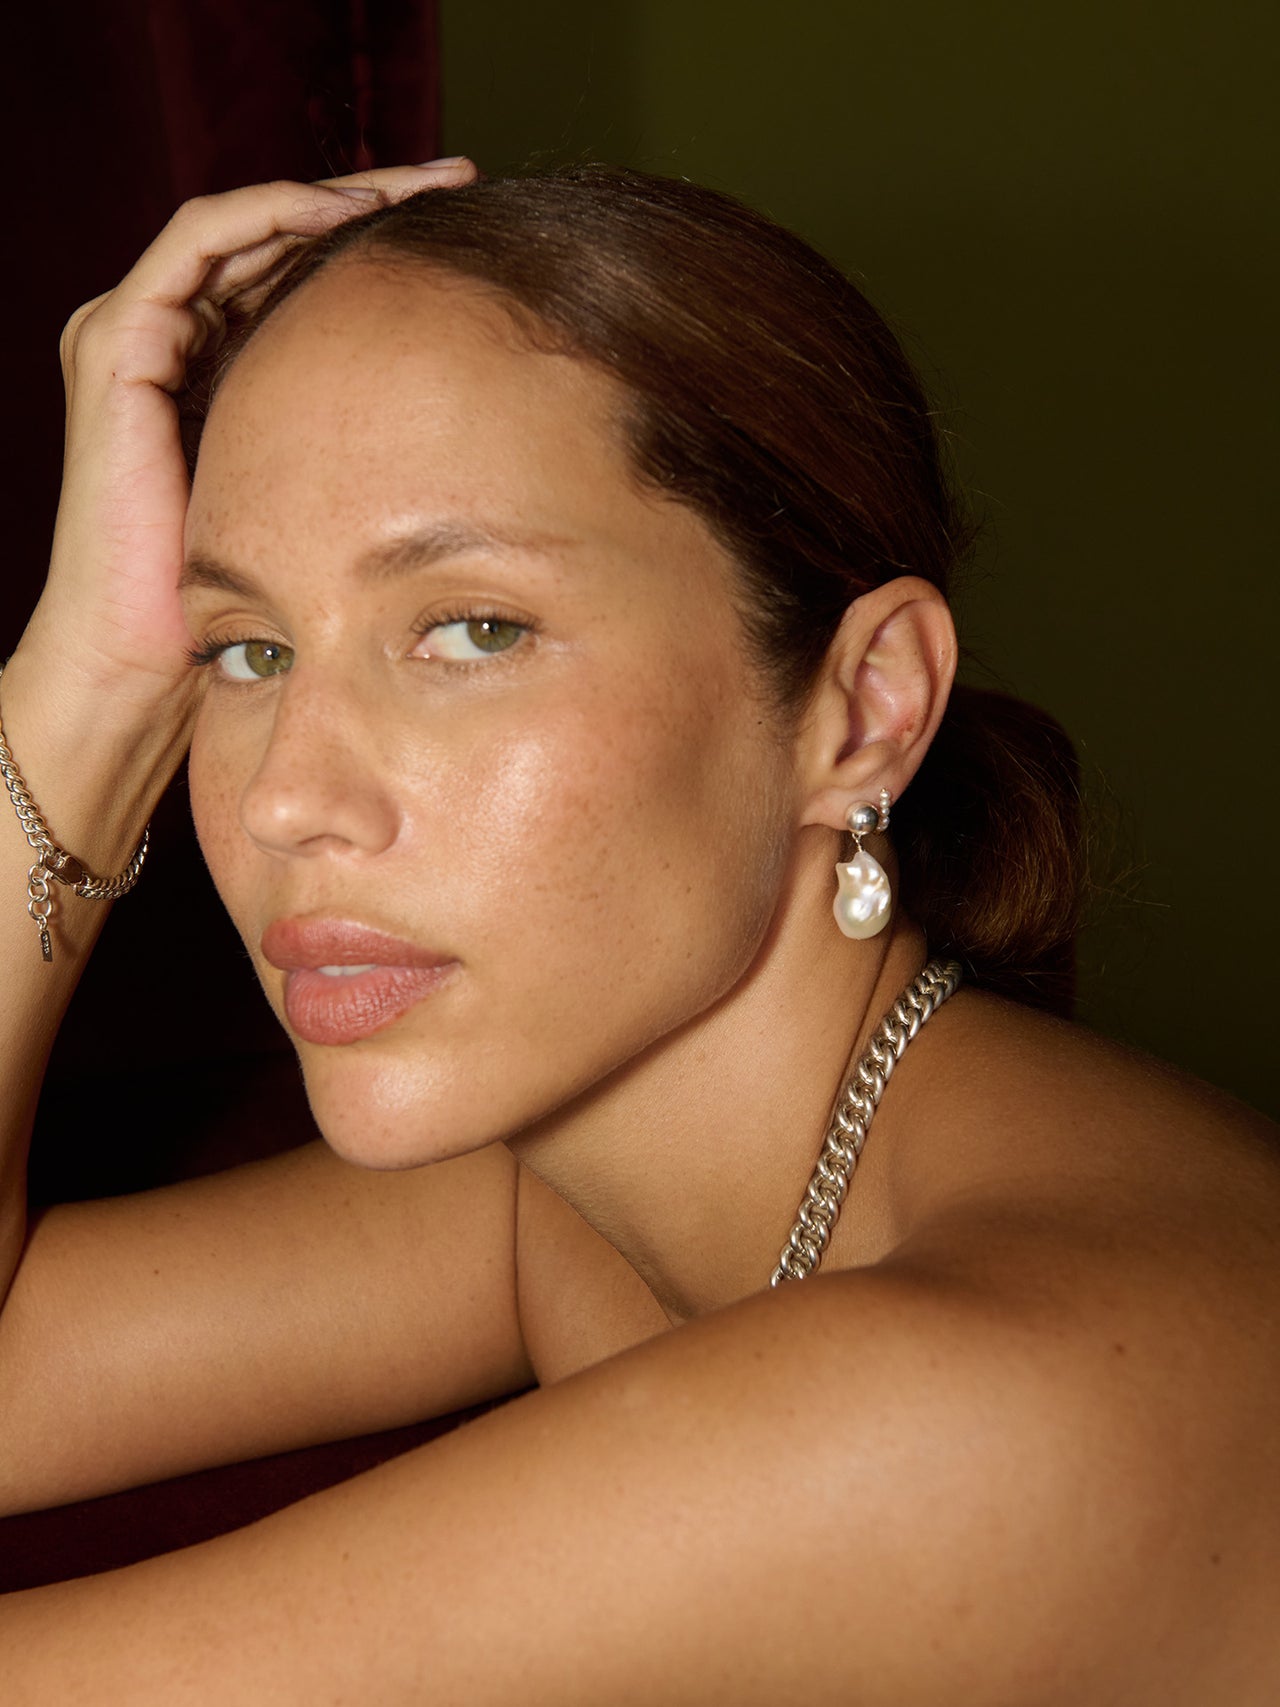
(325, 1009)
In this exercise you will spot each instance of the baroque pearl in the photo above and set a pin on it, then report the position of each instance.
(861, 905)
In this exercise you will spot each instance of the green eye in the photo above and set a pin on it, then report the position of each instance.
(474, 637)
(491, 636)
(254, 660)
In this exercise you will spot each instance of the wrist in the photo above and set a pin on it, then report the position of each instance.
(94, 765)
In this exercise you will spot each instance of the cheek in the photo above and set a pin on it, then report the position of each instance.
(637, 831)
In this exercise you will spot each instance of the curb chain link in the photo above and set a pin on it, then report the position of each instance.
(820, 1207)
(54, 862)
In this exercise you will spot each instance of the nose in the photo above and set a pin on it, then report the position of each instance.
(318, 787)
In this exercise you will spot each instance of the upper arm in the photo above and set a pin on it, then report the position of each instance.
(278, 1304)
(833, 1491)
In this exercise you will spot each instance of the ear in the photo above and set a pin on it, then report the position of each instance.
(878, 700)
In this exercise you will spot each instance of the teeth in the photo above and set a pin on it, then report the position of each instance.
(345, 971)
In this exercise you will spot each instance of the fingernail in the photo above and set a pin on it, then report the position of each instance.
(359, 193)
(440, 165)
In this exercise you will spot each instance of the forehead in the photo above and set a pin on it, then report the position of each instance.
(386, 404)
(380, 385)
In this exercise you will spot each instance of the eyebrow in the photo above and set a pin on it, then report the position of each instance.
(401, 556)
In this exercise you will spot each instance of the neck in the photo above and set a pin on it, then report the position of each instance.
(692, 1159)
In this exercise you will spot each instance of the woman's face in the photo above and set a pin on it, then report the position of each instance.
(482, 723)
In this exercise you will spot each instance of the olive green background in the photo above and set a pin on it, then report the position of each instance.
(1064, 209)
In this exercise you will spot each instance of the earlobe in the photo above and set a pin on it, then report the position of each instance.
(879, 699)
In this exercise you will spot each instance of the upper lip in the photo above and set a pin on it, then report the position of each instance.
(294, 945)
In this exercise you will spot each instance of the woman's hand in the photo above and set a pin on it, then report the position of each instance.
(109, 621)
(98, 697)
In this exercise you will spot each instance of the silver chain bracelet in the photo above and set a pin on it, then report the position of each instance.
(54, 863)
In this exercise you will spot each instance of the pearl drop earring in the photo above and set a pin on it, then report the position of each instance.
(863, 901)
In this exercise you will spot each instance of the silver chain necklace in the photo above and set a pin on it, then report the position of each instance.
(857, 1103)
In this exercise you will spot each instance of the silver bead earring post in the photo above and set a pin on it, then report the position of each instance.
(863, 901)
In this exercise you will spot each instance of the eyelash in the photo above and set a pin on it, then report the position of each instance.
(200, 657)
(475, 613)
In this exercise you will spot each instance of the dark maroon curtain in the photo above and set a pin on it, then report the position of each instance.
(298, 88)
(170, 1062)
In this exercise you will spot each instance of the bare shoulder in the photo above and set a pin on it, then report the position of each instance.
(1064, 1487)
(1048, 1462)
(1037, 1109)
(1059, 1172)
(1015, 1056)
(1034, 1429)
(1088, 1250)
(1122, 1210)
(1000, 1486)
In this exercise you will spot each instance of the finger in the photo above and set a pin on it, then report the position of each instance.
(71, 331)
(248, 276)
(396, 181)
(250, 272)
(213, 228)
(211, 325)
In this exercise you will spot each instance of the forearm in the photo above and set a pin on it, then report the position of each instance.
(667, 1527)
(95, 768)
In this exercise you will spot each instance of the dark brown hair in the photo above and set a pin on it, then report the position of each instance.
(770, 396)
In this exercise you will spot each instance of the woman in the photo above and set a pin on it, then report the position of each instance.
(563, 579)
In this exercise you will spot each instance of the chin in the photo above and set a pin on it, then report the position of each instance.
(377, 1109)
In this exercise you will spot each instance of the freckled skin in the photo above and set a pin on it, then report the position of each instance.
(594, 824)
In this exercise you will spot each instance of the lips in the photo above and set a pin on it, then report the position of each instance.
(345, 981)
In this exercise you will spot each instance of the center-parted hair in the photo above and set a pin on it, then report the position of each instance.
(767, 394)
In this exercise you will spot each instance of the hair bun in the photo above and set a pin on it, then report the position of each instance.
(988, 838)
